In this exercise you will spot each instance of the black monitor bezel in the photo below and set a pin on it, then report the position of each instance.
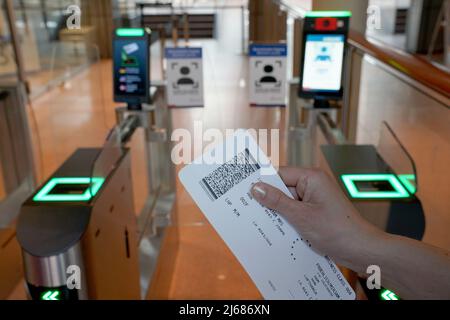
(322, 94)
(136, 99)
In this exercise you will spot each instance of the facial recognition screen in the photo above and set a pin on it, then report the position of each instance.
(322, 68)
(131, 67)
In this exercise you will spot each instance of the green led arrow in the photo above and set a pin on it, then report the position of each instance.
(50, 295)
(388, 295)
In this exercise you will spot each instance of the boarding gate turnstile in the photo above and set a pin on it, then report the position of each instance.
(79, 233)
(381, 181)
(81, 227)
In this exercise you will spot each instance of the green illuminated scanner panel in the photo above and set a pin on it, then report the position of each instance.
(409, 181)
(76, 189)
(397, 190)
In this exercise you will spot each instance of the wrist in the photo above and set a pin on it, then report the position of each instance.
(363, 248)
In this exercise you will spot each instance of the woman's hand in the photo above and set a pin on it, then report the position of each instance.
(321, 214)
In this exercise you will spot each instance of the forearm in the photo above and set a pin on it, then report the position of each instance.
(412, 269)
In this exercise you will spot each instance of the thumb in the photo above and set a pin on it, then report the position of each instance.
(275, 199)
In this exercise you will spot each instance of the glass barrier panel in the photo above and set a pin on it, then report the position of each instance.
(397, 157)
(8, 67)
(72, 112)
(105, 162)
(41, 26)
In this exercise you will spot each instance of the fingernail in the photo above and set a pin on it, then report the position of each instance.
(258, 192)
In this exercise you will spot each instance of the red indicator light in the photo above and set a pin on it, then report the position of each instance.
(326, 24)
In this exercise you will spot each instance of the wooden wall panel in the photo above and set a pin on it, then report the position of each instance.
(267, 22)
(99, 15)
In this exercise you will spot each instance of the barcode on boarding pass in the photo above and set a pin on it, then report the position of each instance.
(222, 179)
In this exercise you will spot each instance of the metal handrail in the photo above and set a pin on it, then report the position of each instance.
(331, 132)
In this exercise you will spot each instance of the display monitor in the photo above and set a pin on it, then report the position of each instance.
(131, 66)
(322, 65)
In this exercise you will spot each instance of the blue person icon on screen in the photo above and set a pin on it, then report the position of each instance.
(323, 55)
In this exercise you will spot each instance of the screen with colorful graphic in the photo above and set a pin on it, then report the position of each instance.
(322, 67)
(131, 69)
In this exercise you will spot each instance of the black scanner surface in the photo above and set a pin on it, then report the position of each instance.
(50, 228)
(404, 216)
(354, 159)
